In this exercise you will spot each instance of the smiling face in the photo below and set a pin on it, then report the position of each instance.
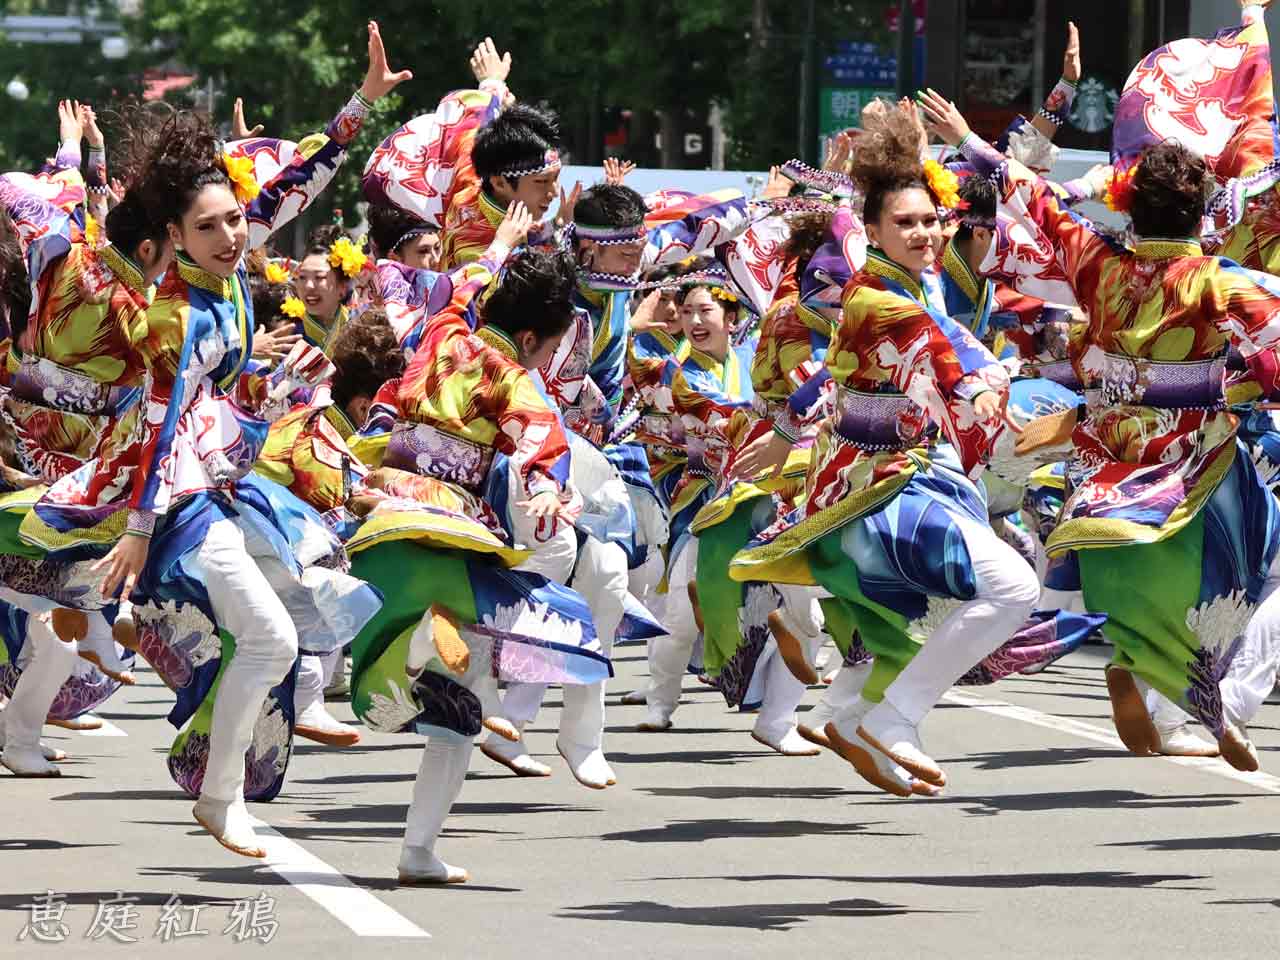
(908, 230)
(537, 191)
(705, 322)
(213, 231)
(319, 286)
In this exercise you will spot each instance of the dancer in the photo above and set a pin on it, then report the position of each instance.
(890, 522)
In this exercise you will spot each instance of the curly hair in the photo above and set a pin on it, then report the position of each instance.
(366, 355)
(15, 286)
(1170, 188)
(809, 231)
(886, 161)
(535, 293)
(169, 156)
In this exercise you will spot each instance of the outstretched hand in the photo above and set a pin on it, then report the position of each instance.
(615, 170)
(380, 78)
(777, 186)
(488, 64)
(942, 117)
(568, 201)
(839, 151)
(89, 124)
(1071, 59)
(70, 125)
(239, 129)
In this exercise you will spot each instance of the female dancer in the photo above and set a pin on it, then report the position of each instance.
(893, 526)
(206, 548)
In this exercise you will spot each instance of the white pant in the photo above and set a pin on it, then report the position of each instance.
(601, 578)
(669, 655)
(1252, 674)
(242, 592)
(314, 674)
(46, 663)
(1007, 591)
(782, 691)
(440, 777)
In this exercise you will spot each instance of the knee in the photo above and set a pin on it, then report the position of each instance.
(1017, 587)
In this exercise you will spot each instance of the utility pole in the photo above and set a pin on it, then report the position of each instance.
(805, 147)
(906, 48)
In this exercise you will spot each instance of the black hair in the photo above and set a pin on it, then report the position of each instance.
(887, 162)
(128, 225)
(980, 195)
(535, 293)
(171, 158)
(366, 355)
(388, 227)
(1170, 188)
(322, 238)
(609, 205)
(518, 137)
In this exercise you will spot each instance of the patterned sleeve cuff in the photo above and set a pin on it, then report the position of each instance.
(344, 127)
(785, 425)
(541, 483)
(141, 523)
(495, 87)
(985, 158)
(1057, 106)
(68, 156)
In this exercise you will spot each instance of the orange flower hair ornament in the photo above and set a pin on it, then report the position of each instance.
(243, 182)
(1119, 196)
(943, 184)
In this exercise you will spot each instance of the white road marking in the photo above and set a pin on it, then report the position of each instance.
(1087, 731)
(363, 913)
(108, 729)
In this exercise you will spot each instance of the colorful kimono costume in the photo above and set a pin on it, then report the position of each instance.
(431, 440)
(893, 527)
(229, 552)
(425, 168)
(84, 298)
(1174, 529)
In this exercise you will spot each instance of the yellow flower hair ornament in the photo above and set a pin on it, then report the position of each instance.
(274, 273)
(943, 184)
(92, 232)
(243, 182)
(723, 294)
(293, 307)
(347, 257)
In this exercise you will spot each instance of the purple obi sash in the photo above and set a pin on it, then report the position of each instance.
(878, 421)
(423, 449)
(1135, 381)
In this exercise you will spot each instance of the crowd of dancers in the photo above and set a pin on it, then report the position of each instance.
(911, 404)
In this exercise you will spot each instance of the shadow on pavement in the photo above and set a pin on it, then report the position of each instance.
(753, 916)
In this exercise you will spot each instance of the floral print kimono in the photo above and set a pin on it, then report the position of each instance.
(876, 529)
(1172, 525)
(433, 541)
(203, 418)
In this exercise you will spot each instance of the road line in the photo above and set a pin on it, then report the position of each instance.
(359, 910)
(1088, 731)
(108, 729)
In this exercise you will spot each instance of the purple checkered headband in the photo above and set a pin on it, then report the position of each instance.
(550, 161)
(828, 182)
(609, 236)
(411, 234)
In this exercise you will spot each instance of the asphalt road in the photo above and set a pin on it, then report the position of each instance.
(1050, 842)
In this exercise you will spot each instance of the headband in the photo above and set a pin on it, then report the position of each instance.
(550, 161)
(826, 181)
(415, 231)
(608, 236)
